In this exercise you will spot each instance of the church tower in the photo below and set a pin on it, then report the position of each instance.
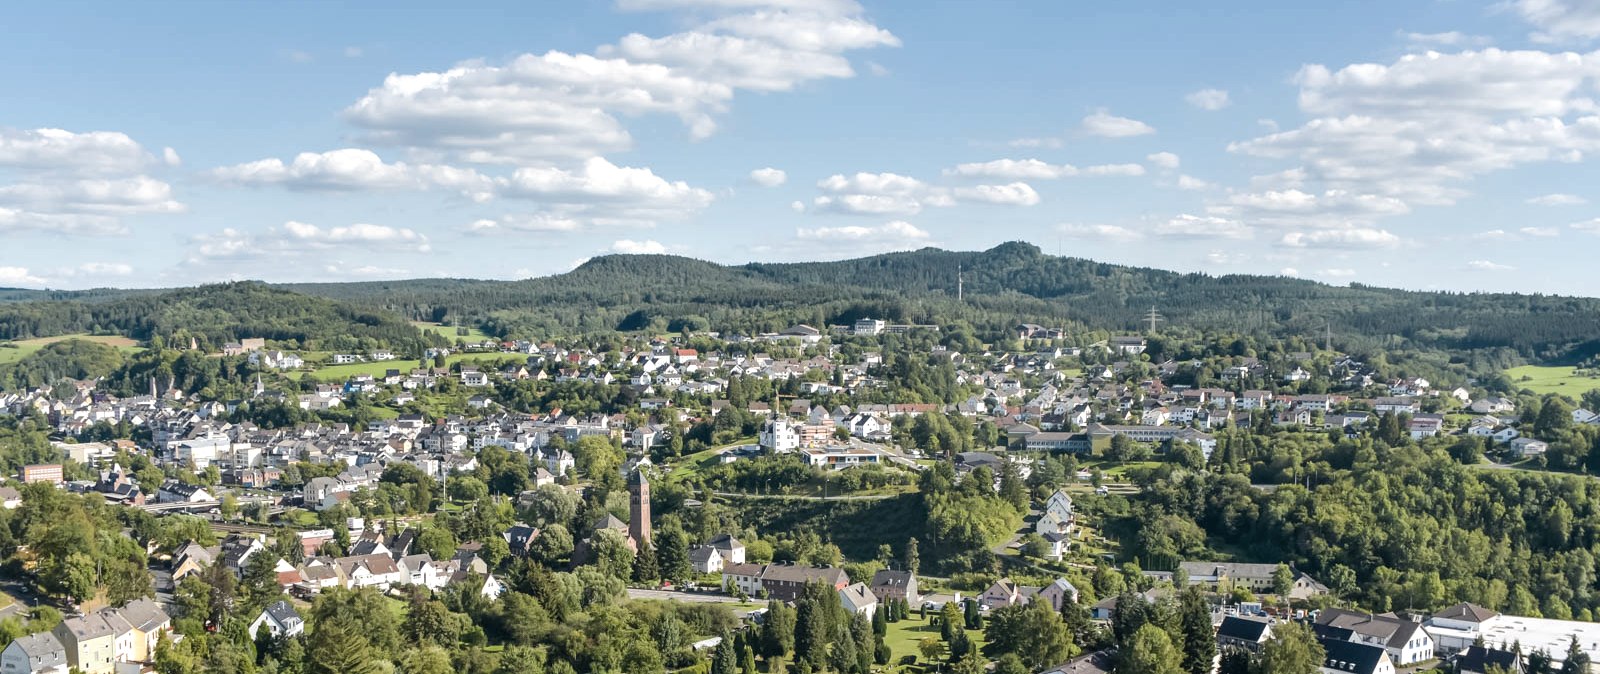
(639, 508)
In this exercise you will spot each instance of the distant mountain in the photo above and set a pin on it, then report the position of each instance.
(1002, 286)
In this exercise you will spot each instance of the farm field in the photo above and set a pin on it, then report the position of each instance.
(1543, 379)
(28, 346)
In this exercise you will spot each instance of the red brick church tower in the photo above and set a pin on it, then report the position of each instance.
(639, 509)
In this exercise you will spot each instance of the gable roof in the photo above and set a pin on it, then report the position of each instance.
(43, 650)
(1243, 629)
(1466, 613)
(1351, 656)
(857, 597)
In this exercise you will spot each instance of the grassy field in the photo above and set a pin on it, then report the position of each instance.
(29, 346)
(377, 369)
(691, 463)
(449, 331)
(1546, 379)
(903, 637)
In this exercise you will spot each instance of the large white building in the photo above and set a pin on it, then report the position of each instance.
(1456, 628)
(779, 435)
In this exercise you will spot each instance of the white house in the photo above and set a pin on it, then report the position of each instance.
(279, 619)
(38, 653)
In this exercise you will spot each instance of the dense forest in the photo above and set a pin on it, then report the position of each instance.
(1011, 283)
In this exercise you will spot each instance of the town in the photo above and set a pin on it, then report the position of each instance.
(852, 498)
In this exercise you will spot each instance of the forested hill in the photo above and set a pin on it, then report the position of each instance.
(1002, 286)
(1011, 283)
(212, 315)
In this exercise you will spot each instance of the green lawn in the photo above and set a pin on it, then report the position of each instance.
(378, 369)
(11, 352)
(449, 331)
(903, 637)
(1543, 379)
(690, 463)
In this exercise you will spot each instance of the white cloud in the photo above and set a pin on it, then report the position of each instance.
(1558, 199)
(78, 183)
(1495, 235)
(1191, 183)
(769, 177)
(562, 105)
(1587, 226)
(878, 194)
(1034, 169)
(98, 152)
(1419, 130)
(894, 232)
(1485, 265)
(1226, 257)
(1106, 125)
(96, 269)
(1115, 233)
(1561, 20)
(1164, 160)
(351, 169)
(1209, 99)
(1542, 232)
(605, 193)
(631, 247)
(525, 222)
(1290, 272)
(1354, 237)
(18, 276)
(1445, 39)
(1336, 273)
(290, 243)
(170, 157)
(1188, 226)
(1013, 194)
(1046, 143)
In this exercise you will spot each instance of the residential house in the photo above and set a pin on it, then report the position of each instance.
(91, 641)
(148, 622)
(891, 584)
(1407, 642)
(1349, 657)
(705, 559)
(1245, 633)
(1003, 592)
(1480, 659)
(279, 619)
(858, 599)
(1059, 593)
(1526, 447)
(730, 548)
(38, 653)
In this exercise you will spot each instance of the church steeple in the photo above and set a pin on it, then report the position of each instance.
(639, 508)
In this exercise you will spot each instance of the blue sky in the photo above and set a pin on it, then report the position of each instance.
(1421, 144)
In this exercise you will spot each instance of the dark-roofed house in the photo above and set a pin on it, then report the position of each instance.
(1246, 633)
(890, 584)
(706, 559)
(1478, 660)
(1348, 657)
(38, 653)
(1407, 642)
(1098, 662)
(280, 619)
(783, 582)
(518, 536)
(730, 548)
(1457, 627)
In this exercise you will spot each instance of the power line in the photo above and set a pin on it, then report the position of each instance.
(1154, 317)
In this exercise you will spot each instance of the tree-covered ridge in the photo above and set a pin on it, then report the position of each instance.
(1002, 286)
(214, 315)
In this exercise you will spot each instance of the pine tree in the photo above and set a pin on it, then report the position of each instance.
(645, 565)
(725, 660)
(335, 649)
(1199, 644)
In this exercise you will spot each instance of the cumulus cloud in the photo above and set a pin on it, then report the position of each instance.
(878, 194)
(1592, 226)
(1290, 272)
(1445, 39)
(78, 183)
(1418, 131)
(1336, 273)
(631, 247)
(19, 276)
(1560, 20)
(897, 230)
(564, 105)
(1485, 265)
(1186, 226)
(1106, 125)
(1209, 99)
(1034, 169)
(1558, 199)
(1541, 232)
(1354, 237)
(1191, 183)
(1164, 160)
(291, 242)
(1103, 232)
(769, 177)
(601, 192)
(352, 169)
(525, 222)
(1013, 194)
